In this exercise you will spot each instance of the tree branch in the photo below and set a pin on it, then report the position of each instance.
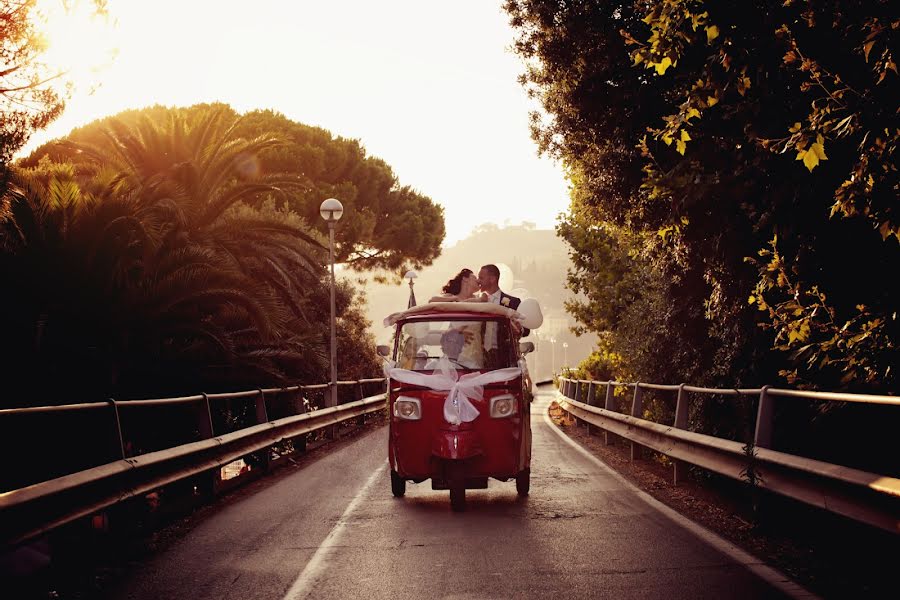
(31, 86)
(10, 71)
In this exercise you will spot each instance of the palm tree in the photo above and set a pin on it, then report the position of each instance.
(160, 249)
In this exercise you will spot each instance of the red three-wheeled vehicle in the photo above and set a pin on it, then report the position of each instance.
(458, 399)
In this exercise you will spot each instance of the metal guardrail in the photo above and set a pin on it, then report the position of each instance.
(36, 509)
(865, 497)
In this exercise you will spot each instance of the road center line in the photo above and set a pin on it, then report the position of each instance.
(307, 579)
(772, 576)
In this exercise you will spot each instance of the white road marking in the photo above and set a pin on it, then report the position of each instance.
(768, 574)
(310, 575)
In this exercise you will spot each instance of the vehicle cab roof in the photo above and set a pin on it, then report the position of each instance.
(444, 310)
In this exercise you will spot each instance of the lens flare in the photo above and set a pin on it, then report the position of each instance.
(247, 166)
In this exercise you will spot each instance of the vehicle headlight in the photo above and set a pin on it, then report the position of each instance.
(503, 406)
(408, 408)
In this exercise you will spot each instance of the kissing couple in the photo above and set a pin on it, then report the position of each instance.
(485, 287)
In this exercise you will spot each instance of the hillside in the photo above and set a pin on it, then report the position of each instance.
(533, 263)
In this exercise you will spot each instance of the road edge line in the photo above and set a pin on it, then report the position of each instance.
(769, 574)
(303, 584)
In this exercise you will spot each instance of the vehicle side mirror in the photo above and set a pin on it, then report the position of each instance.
(384, 350)
(526, 347)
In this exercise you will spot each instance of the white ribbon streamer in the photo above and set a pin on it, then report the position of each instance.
(458, 407)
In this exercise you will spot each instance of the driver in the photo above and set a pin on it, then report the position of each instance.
(452, 342)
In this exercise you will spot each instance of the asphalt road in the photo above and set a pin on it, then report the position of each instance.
(333, 530)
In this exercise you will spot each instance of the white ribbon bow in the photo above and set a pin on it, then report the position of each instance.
(458, 407)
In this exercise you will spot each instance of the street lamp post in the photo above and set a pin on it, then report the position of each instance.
(566, 354)
(553, 353)
(332, 210)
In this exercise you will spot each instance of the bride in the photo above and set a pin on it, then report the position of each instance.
(464, 288)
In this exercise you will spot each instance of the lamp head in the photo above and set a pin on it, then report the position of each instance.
(331, 210)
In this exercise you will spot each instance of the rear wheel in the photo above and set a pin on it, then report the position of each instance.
(456, 481)
(523, 482)
(398, 484)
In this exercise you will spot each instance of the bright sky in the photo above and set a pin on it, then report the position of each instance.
(428, 86)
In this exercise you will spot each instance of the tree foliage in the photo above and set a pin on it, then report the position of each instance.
(156, 263)
(30, 94)
(734, 172)
(385, 225)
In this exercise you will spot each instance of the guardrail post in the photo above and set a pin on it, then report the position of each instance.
(567, 393)
(361, 420)
(591, 393)
(608, 405)
(261, 413)
(576, 396)
(582, 389)
(679, 468)
(299, 443)
(332, 432)
(205, 421)
(637, 406)
(115, 408)
(765, 417)
(207, 482)
(637, 403)
(262, 416)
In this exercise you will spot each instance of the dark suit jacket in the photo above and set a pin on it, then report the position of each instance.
(513, 304)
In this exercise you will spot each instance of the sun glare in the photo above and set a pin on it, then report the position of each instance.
(79, 40)
(358, 77)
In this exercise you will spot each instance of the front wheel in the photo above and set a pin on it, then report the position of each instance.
(398, 484)
(523, 482)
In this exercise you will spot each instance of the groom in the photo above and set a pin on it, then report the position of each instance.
(489, 282)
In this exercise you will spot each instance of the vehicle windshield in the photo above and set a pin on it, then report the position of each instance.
(465, 344)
